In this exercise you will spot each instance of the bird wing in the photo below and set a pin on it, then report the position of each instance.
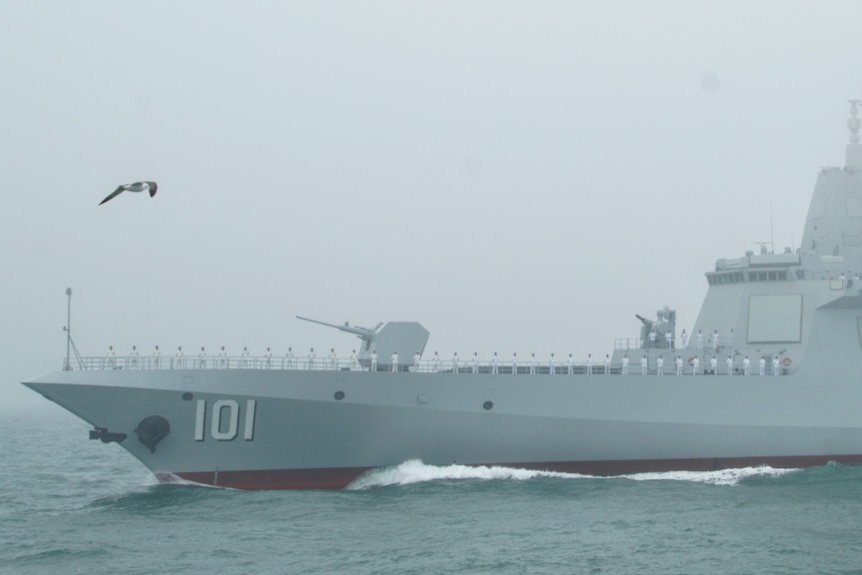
(153, 187)
(114, 194)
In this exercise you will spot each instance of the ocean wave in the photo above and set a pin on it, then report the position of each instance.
(415, 471)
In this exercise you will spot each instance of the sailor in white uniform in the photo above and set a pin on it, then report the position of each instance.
(514, 363)
(729, 362)
(669, 339)
(679, 365)
(243, 358)
(659, 365)
(290, 359)
(552, 368)
(713, 365)
(268, 358)
(202, 358)
(683, 339)
(134, 357)
(222, 358)
(762, 364)
(494, 362)
(746, 366)
(644, 365)
(625, 368)
(695, 364)
(354, 361)
(435, 362)
(156, 357)
(570, 364)
(179, 357)
(699, 339)
(333, 359)
(589, 364)
(607, 364)
(374, 360)
(416, 358)
(394, 360)
(311, 357)
(715, 340)
(652, 336)
(775, 365)
(455, 363)
(475, 362)
(110, 356)
(532, 364)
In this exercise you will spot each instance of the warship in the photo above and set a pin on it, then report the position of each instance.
(770, 375)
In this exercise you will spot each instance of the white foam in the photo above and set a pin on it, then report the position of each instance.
(414, 471)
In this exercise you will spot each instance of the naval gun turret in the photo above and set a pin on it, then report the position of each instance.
(405, 337)
(661, 333)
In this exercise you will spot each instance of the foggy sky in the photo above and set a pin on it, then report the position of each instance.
(517, 176)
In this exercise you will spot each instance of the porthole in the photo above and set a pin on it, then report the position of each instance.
(488, 405)
(339, 395)
(188, 396)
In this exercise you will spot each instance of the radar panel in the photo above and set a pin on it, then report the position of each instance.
(775, 318)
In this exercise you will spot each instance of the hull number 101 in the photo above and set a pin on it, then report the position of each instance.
(225, 419)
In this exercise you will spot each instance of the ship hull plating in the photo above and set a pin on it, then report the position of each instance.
(259, 429)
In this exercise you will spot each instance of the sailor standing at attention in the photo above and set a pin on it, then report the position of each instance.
(134, 355)
(268, 358)
(180, 357)
(243, 358)
(455, 362)
(475, 362)
(394, 359)
(570, 364)
(625, 370)
(669, 339)
(202, 358)
(494, 361)
(222, 358)
(156, 357)
(333, 361)
(552, 369)
(514, 363)
(762, 363)
(289, 357)
(729, 362)
(311, 358)
(416, 358)
(607, 364)
(659, 365)
(110, 356)
(715, 340)
(589, 364)
(679, 365)
(695, 363)
(699, 339)
(746, 366)
(713, 365)
(374, 360)
(354, 361)
(435, 362)
(644, 365)
(775, 365)
(652, 336)
(683, 339)
(532, 364)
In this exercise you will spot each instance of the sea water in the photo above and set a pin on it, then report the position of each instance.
(70, 505)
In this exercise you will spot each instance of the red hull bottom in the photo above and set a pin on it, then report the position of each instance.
(340, 477)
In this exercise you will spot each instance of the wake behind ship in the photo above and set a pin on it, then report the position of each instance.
(769, 375)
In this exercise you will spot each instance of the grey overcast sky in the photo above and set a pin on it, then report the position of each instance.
(518, 176)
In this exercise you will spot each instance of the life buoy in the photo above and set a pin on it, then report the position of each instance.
(691, 360)
(786, 362)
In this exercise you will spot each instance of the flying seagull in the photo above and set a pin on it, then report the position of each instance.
(136, 187)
